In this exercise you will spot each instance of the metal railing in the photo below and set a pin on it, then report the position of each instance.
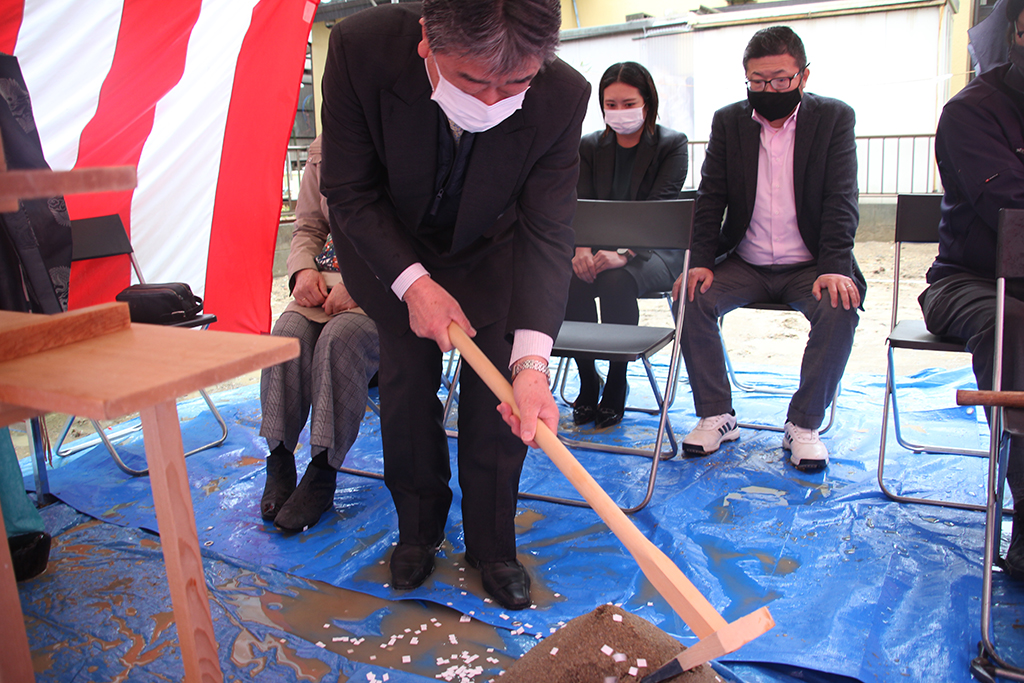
(294, 162)
(886, 164)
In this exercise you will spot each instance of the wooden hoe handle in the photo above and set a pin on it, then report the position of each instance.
(668, 580)
(1005, 399)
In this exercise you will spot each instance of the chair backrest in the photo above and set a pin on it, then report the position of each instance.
(660, 224)
(100, 237)
(917, 217)
(1010, 244)
(917, 221)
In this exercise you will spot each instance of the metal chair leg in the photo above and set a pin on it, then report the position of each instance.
(889, 397)
(107, 440)
(988, 660)
(758, 388)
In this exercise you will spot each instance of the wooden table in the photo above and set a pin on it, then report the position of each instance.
(96, 364)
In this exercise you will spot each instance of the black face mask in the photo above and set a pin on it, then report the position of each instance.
(774, 105)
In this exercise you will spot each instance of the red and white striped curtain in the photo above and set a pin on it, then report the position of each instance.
(200, 97)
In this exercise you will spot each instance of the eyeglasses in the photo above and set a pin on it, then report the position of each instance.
(778, 84)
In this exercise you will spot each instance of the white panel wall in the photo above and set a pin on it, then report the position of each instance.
(891, 67)
(669, 58)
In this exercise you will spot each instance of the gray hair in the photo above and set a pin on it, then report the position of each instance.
(501, 33)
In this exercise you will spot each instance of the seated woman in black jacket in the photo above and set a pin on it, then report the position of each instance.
(633, 158)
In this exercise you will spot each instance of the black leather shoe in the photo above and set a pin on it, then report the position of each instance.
(608, 417)
(582, 414)
(280, 483)
(610, 410)
(507, 582)
(412, 564)
(29, 554)
(313, 497)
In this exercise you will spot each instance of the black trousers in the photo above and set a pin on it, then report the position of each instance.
(416, 461)
(964, 306)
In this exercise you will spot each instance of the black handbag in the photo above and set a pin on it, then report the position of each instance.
(166, 303)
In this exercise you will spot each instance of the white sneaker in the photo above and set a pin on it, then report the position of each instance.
(709, 434)
(808, 452)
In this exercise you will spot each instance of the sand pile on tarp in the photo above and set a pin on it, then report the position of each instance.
(608, 643)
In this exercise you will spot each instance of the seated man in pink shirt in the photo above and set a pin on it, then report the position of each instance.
(784, 164)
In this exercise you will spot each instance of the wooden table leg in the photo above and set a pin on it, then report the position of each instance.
(180, 542)
(16, 663)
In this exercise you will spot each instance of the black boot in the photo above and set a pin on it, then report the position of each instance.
(29, 554)
(313, 497)
(280, 482)
(1013, 563)
(613, 402)
(584, 408)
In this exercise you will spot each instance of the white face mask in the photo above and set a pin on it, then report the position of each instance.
(469, 113)
(624, 121)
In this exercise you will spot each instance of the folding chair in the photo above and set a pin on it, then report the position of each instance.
(664, 224)
(100, 237)
(1005, 422)
(917, 222)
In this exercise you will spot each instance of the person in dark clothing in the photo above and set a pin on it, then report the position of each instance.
(979, 147)
(450, 160)
(633, 158)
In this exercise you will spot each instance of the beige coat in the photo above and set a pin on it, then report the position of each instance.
(310, 234)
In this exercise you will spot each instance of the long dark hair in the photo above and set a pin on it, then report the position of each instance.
(640, 78)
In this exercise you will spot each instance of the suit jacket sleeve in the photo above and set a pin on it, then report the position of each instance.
(672, 163)
(712, 197)
(839, 212)
(355, 183)
(311, 227)
(585, 188)
(543, 241)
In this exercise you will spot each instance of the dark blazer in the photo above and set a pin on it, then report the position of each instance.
(512, 244)
(658, 173)
(824, 175)
(979, 147)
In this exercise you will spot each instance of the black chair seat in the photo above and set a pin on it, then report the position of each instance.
(912, 334)
(605, 341)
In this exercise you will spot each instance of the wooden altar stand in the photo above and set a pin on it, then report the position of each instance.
(93, 362)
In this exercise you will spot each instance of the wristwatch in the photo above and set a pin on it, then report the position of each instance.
(624, 252)
(530, 364)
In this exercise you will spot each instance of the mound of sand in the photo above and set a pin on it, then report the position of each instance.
(608, 644)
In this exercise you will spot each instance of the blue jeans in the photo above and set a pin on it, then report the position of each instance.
(737, 283)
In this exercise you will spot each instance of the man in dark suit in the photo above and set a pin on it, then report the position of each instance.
(450, 145)
(784, 164)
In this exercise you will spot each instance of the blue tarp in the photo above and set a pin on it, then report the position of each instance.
(859, 586)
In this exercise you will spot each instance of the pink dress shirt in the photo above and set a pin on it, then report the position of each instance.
(773, 237)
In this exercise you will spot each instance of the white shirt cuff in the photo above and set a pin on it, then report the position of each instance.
(531, 343)
(404, 281)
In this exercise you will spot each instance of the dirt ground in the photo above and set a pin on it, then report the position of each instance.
(752, 337)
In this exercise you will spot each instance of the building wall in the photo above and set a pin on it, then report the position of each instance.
(319, 37)
(917, 60)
